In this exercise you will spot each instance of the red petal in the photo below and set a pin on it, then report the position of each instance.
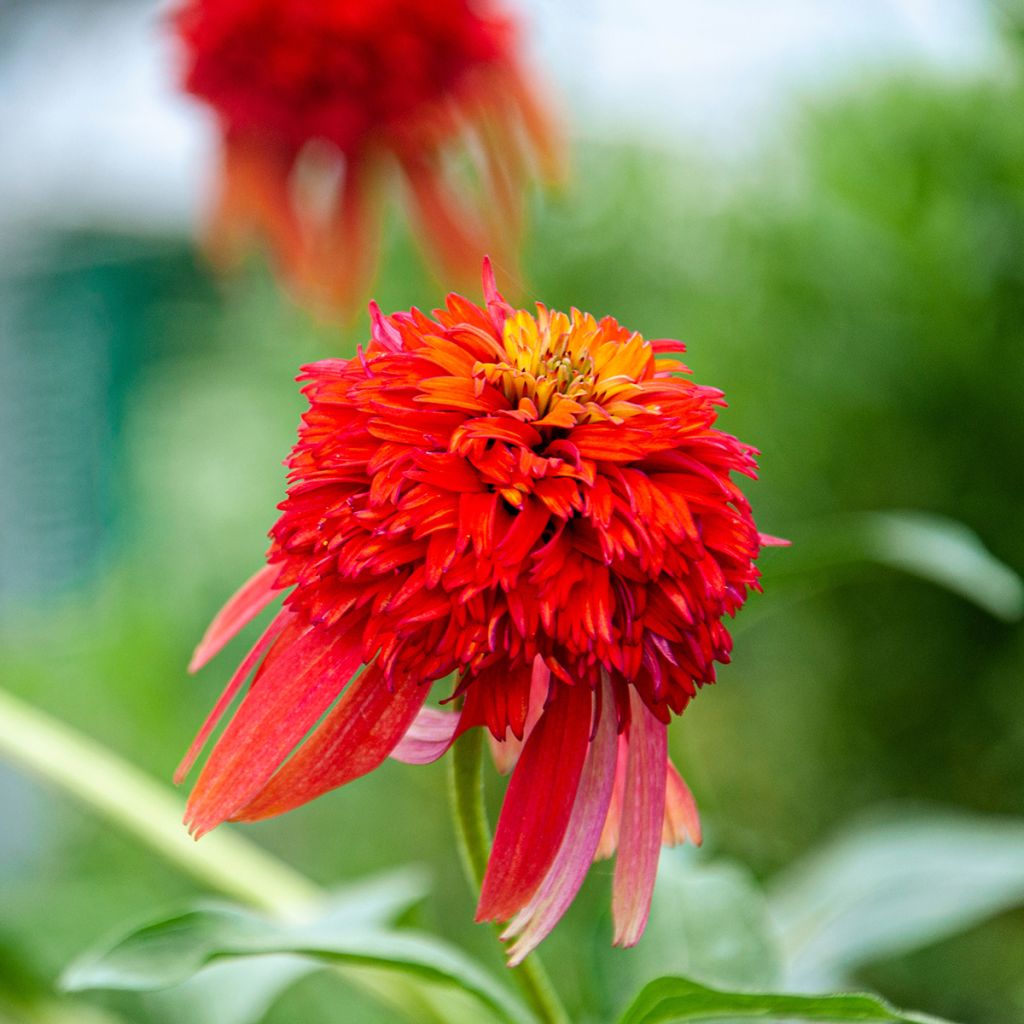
(284, 703)
(247, 602)
(643, 816)
(537, 806)
(551, 900)
(497, 307)
(272, 632)
(359, 733)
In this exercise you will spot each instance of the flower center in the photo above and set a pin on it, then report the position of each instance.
(549, 371)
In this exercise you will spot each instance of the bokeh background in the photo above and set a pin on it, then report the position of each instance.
(826, 202)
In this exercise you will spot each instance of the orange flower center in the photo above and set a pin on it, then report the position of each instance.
(560, 371)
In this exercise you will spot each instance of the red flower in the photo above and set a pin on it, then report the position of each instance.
(540, 504)
(315, 97)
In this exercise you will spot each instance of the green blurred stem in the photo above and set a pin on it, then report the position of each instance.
(466, 790)
(149, 811)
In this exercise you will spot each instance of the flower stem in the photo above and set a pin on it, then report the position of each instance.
(129, 798)
(466, 790)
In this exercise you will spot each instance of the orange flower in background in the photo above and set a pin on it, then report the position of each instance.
(318, 100)
(539, 504)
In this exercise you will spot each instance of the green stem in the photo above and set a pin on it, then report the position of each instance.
(144, 808)
(466, 789)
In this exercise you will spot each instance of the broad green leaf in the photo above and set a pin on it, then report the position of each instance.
(242, 990)
(932, 547)
(680, 999)
(891, 883)
(171, 950)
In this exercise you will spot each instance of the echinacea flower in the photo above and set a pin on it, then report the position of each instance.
(320, 100)
(537, 504)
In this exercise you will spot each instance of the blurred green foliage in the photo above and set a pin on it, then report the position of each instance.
(858, 292)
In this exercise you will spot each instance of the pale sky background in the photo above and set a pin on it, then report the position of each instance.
(93, 133)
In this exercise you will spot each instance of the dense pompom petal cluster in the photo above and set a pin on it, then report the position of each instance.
(538, 505)
(316, 97)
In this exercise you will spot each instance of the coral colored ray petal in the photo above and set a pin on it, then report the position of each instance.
(643, 815)
(428, 738)
(565, 876)
(242, 607)
(537, 805)
(359, 733)
(270, 634)
(277, 712)
(610, 833)
(682, 820)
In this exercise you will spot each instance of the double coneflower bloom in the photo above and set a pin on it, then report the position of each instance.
(538, 505)
(319, 101)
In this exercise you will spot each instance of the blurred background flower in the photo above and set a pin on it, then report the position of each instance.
(320, 104)
(827, 204)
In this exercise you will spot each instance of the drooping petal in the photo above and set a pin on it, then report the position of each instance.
(537, 805)
(682, 821)
(270, 634)
(610, 833)
(431, 734)
(351, 237)
(643, 815)
(358, 734)
(255, 200)
(242, 607)
(285, 702)
(447, 228)
(565, 876)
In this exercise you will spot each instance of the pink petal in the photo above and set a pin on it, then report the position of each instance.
(537, 805)
(506, 752)
(272, 632)
(297, 683)
(682, 820)
(643, 815)
(359, 733)
(244, 605)
(768, 541)
(565, 876)
(429, 737)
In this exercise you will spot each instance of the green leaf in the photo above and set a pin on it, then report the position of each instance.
(680, 999)
(890, 883)
(242, 990)
(939, 550)
(172, 950)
